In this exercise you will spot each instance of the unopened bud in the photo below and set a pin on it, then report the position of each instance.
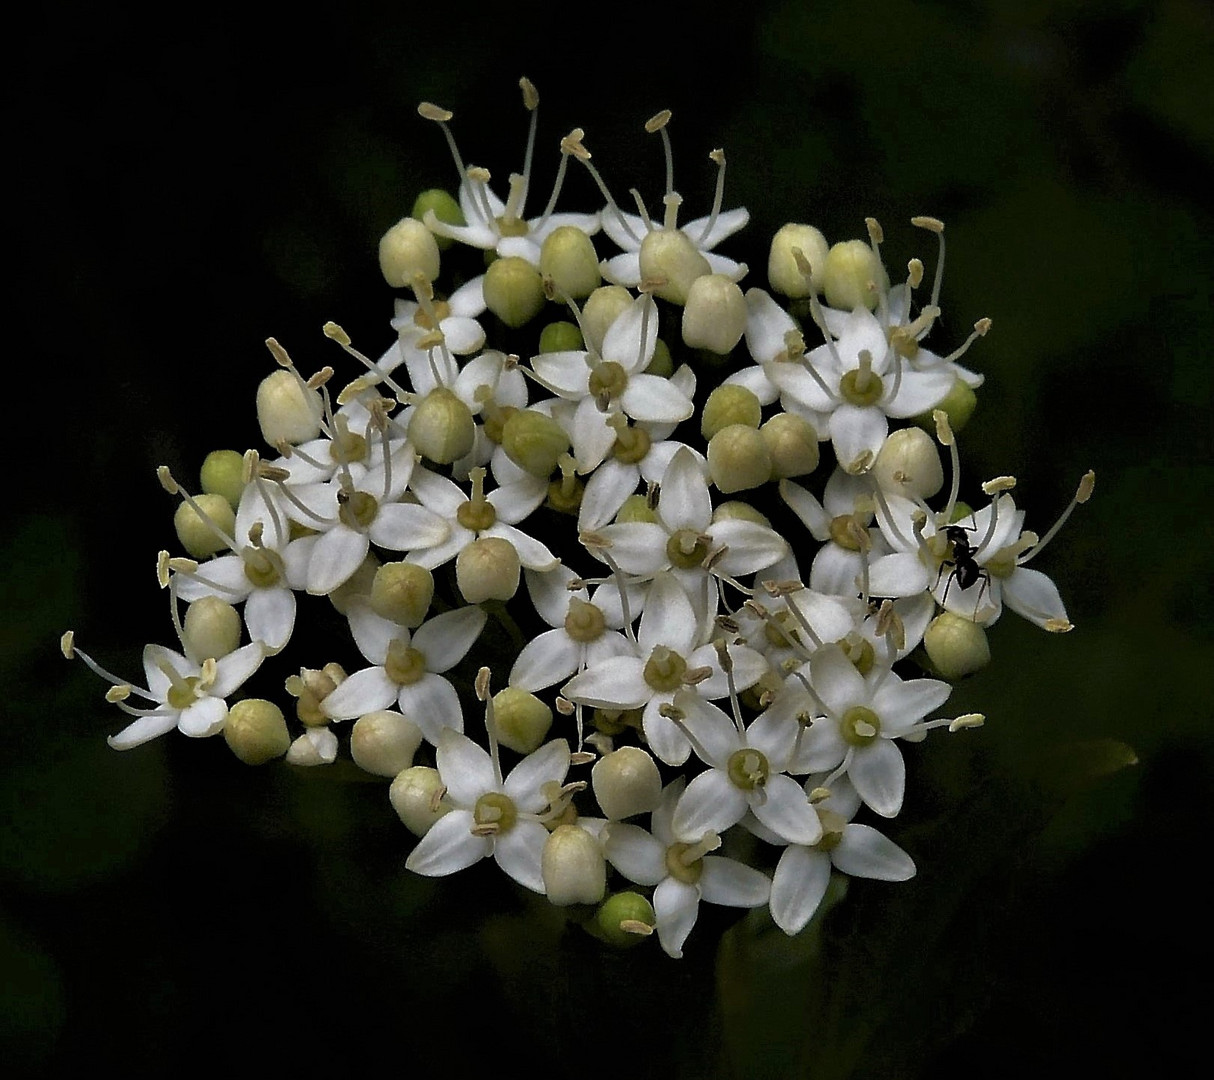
(793, 445)
(561, 337)
(573, 867)
(602, 308)
(383, 743)
(522, 719)
(909, 464)
(286, 410)
(442, 428)
(956, 646)
(196, 536)
(222, 473)
(211, 629)
(256, 731)
(738, 459)
(736, 510)
(785, 271)
(407, 251)
(416, 796)
(534, 442)
(514, 291)
(714, 317)
(626, 782)
(669, 256)
(487, 569)
(625, 919)
(851, 268)
(569, 259)
(958, 405)
(402, 591)
(729, 404)
(636, 508)
(445, 208)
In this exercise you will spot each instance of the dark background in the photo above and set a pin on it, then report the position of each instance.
(176, 197)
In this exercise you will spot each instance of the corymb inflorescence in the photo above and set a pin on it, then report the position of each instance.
(630, 556)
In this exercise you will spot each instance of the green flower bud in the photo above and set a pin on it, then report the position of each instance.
(442, 428)
(534, 441)
(730, 404)
(522, 719)
(256, 731)
(561, 337)
(287, 411)
(357, 587)
(211, 629)
(514, 291)
(736, 510)
(738, 459)
(626, 782)
(783, 272)
(625, 919)
(714, 317)
(196, 536)
(407, 250)
(793, 444)
(602, 308)
(668, 255)
(909, 464)
(402, 591)
(850, 267)
(222, 473)
(662, 362)
(956, 646)
(415, 796)
(445, 208)
(569, 259)
(959, 404)
(573, 867)
(383, 743)
(487, 569)
(636, 508)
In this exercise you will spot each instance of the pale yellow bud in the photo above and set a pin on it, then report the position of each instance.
(287, 411)
(636, 508)
(442, 428)
(487, 569)
(851, 267)
(958, 405)
(569, 259)
(408, 250)
(736, 510)
(223, 474)
(668, 255)
(256, 731)
(402, 591)
(357, 587)
(729, 404)
(909, 464)
(626, 782)
(196, 536)
(522, 719)
(534, 442)
(956, 646)
(783, 270)
(211, 629)
(793, 444)
(573, 867)
(738, 459)
(384, 742)
(415, 796)
(602, 308)
(714, 317)
(514, 291)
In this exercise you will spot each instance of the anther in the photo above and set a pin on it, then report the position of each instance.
(819, 794)
(279, 353)
(931, 224)
(162, 569)
(427, 110)
(968, 720)
(999, 484)
(66, 643)
(118, 693)
(876, 234)
(482, 684)
(658, 121)
(320, 378)
(531, 96)
(564, 706)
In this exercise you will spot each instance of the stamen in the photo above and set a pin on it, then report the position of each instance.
(718, 198)
(944, 433)
(726, 662)
(556, 191)
(482, 694)
(981, 328)
(478, 182)
(935, 225)
(572, 144)
(671, 219)
(641, 209)
(1086, 485)
(336, 333)
(173, 488)
(428, 111)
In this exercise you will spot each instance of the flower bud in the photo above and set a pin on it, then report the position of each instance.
(793, 445)
(287, 411)
(442, 428)
(407, 250)
(445, 208)
(626, 782)
(623, 917)
(383, 743)
(569, 259)
(573, 867)
(316, 746)
(222, 473)
(851, 267)
(909, 464)
(487, 569)
(415, 795)
(636, 508)
(736, 510)
(196, 536)
(958, 404)
(669, 256)
(662, 362)
(522, 719)
(211, 629)
(603, 306)
(783, 272)
(534, 441)
(956, 646)
(357, 587)
(402, 591)
(738, 459)
(730, 404)
(256, 731)
(514, 291)
(561, 337)
(715, 315)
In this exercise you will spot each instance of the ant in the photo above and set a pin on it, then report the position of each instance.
(965, 569)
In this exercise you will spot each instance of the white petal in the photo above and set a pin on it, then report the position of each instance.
(836, 681)
(270, 617)
(365, 691)
(639, 547)
(519, 851)
(465, 768)
(664, 736)
(728, 882)
(786, 811)
(205, 717)
(546, 660)
(710, 804)
(879, 774)
(446, 639)
(1032, 595)
(433, 705)
(144, 730)
(232, 670)
(605, 493)
(448, 846)
(564, 373)
(614, 684)
(864, 852)
(797, 889)
(548, 764)
(668, 619)
(655, 399)
(684, 501)
(337, 554)
(857, 434)
(632, 337)
(403, 526)
(676, 906)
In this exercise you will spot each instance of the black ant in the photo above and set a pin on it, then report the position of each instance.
(965, 569)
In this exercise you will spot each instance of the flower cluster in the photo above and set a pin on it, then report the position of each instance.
(718, 526)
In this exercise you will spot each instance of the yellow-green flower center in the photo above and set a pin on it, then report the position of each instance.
(494, 813)
(859, 651)
(511, 226)
(860, 726)
(664, 670)
(686, 549)
(609, 379)
(861, 387)
(748, 768)
(404, 664)
(779, 631)
(685, 862)
(843, 531)
(584, 622)
(476, 515)
(832, 830)
(631, 445)
(183, 693)
(263, 568)
(357, 509)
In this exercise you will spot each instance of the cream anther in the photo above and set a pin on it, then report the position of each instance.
(658, 121)
(427, 110)
(875, 233)
(931, 224)
(336, 333)
(162, 569)
(968, 720)
(66, 643)
(531, 96)
(279, 353)
(998, 484)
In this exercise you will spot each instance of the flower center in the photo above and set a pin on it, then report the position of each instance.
(511, 227)
(476, 515)
(832, 830)
(778, 631)
(860, 726)
(584, 622)
(357, 509)
(631, 444)
(427, 321)
(861, 386)
(494, 813)
(748, 769)
(664, 670)
(184, 692)
(264, 568)
(686, 549)
(346, 445)
(608, 379)
(859, 651)
(685, 862)
(404, 664)
(843, 531)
